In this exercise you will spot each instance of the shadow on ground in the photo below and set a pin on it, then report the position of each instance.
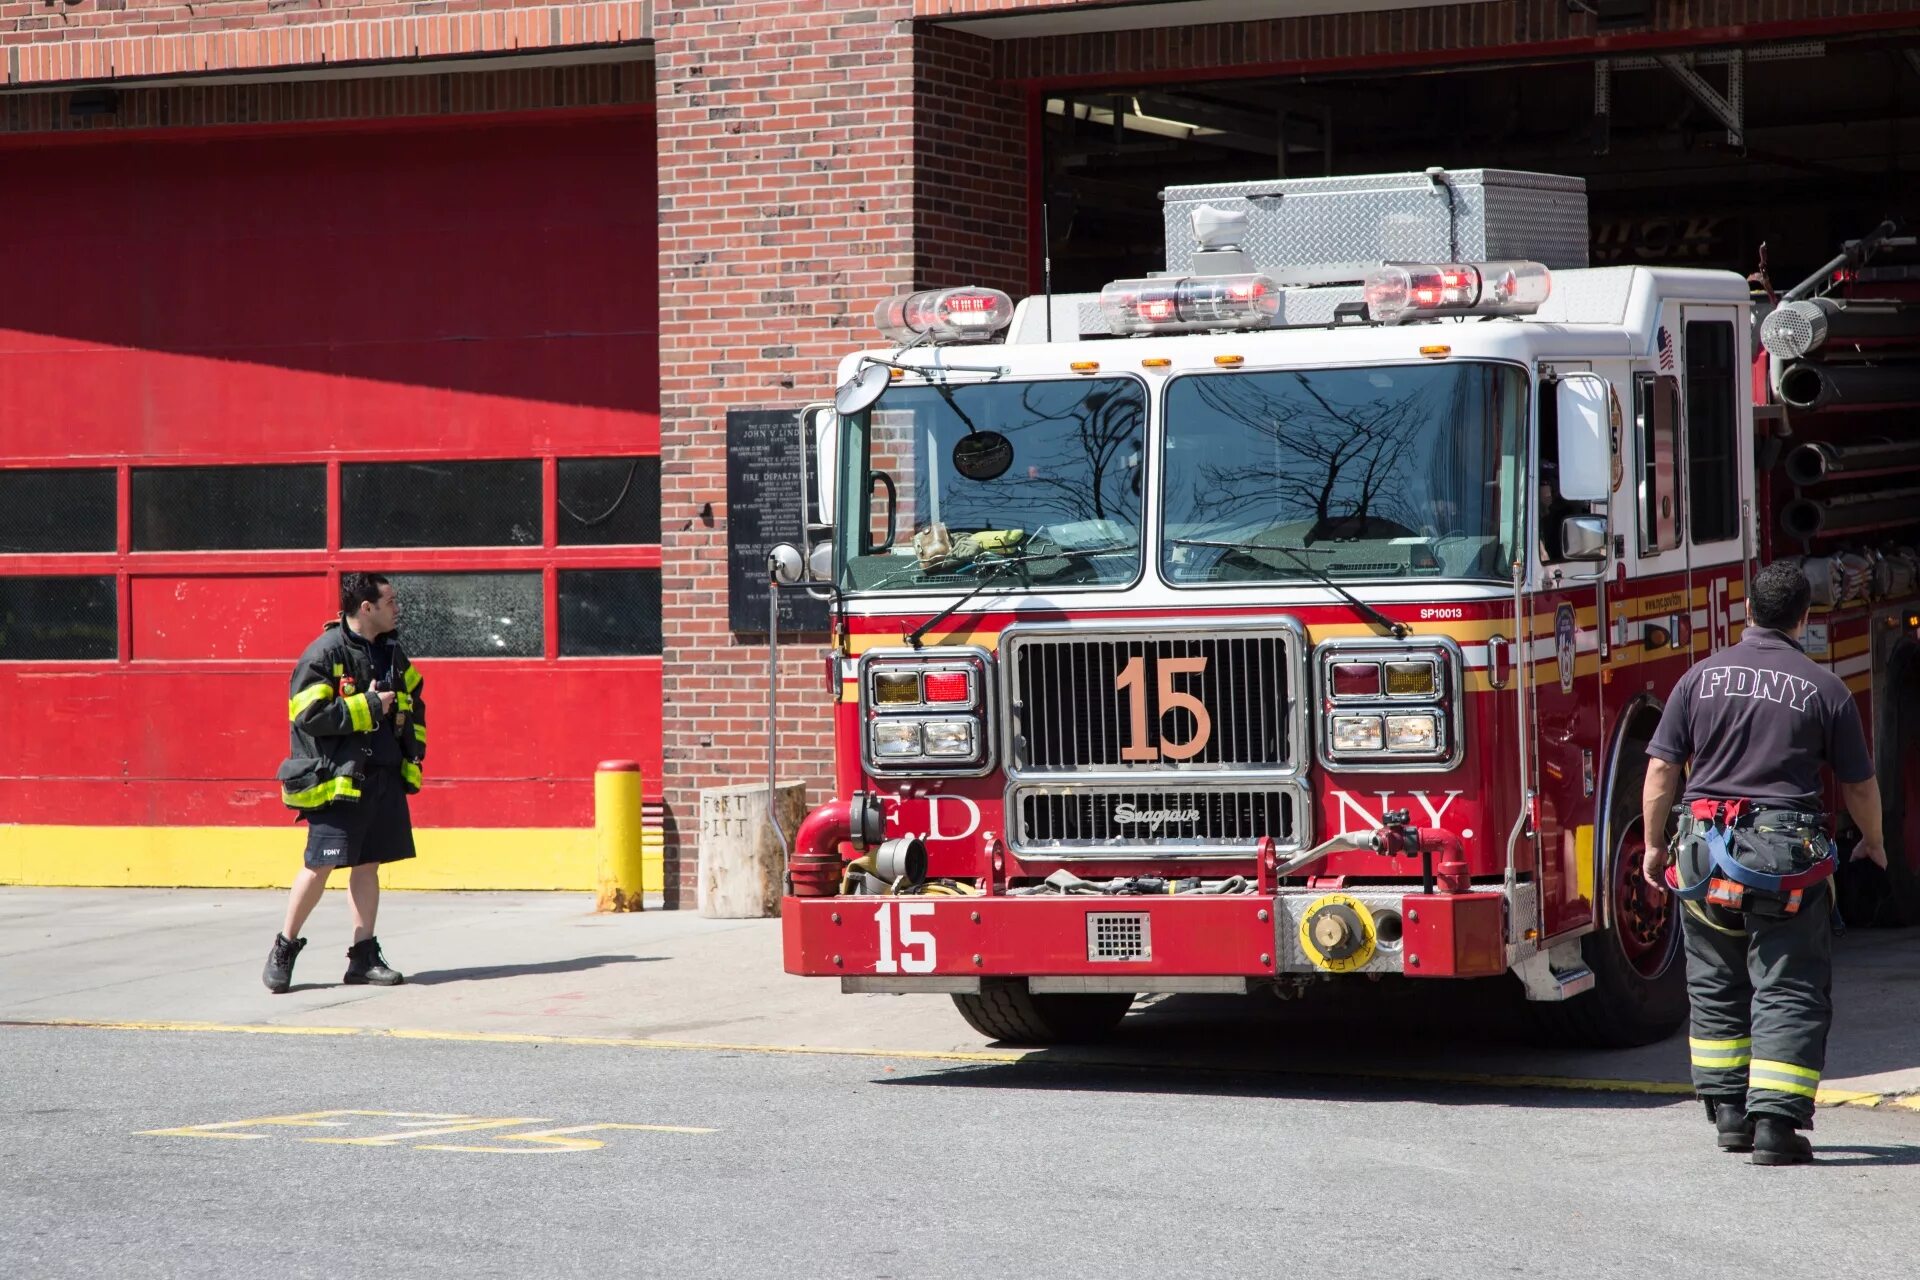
(482, 973)
(1435, 1041)
(1070, 1071)
(1855, 1155)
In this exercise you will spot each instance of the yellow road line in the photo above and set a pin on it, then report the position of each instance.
(509, 1037)
(1586, 1084)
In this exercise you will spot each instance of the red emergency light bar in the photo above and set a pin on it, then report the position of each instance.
(1185, 304)
(1396, 292)
(945, 315)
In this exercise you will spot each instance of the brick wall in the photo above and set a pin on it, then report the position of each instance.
(45, 42)
(786, 211)
(791, 203)
(619, 85)
(970, 153)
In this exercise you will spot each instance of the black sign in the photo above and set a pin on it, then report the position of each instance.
(765, 474)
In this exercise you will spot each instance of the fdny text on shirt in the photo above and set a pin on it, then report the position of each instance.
(1748, 682)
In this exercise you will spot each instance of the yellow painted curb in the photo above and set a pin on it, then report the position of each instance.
(268, 857)
(1580, 1084)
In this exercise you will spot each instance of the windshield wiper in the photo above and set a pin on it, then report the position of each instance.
(1399, 630)
(993, 570)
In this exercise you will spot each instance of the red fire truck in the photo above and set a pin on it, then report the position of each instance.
(1301, 613)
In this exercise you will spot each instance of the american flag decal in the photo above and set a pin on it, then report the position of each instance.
(1665, 340)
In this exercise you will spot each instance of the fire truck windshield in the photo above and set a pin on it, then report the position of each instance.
(1391, 471)
(946, 486)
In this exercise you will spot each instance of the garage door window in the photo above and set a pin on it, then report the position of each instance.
(471, 615)
(440, 504)
(58, 619)
(608, 501)
(59, 510)
(609, 612)
(229, 508)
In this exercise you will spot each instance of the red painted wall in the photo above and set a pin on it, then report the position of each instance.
(479, 291)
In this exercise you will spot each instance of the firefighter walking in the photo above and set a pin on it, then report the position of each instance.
(1752, 864)
(358, 728)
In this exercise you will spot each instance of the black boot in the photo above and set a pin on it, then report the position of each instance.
(366, 965)
(1731, 1120)
(278, 974)
(1775, 1142)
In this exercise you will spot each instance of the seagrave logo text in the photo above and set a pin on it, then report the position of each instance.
(1127, 815)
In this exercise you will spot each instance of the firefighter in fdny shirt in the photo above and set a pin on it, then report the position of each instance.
(1752, 864)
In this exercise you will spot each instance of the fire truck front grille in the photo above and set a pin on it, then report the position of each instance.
(1154, 821)
(1086, 702)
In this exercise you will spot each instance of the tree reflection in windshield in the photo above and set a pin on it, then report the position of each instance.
(1069, 503)
(1388, 471)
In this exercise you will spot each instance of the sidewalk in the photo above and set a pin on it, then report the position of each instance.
(520, 964)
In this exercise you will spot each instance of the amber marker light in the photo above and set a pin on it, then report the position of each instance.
(1085, 366)
(1156, 362)
(1229, 362)
(1436, 351)
(896, 374)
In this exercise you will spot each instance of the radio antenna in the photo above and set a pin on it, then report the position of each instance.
(1046, 254)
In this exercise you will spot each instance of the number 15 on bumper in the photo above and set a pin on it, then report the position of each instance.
(916, 950)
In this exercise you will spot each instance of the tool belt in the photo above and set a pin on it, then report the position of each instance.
(1745, 855)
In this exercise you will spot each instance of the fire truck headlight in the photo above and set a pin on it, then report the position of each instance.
(927, 714)
(949, 738)
(896, 738)
(1413, 733)
(1357, 733)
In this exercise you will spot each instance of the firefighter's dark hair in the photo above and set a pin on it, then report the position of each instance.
(357, 589)
(1780, 596)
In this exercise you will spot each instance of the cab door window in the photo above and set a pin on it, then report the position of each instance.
(1713, 462)
(1656, 416)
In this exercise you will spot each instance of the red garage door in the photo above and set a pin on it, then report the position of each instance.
(231, 369)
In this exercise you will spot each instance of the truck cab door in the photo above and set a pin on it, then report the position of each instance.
(1565, 655)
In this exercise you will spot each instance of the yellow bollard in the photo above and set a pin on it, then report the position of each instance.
(619, 835)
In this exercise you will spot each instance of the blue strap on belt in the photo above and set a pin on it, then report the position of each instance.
(1722, 862)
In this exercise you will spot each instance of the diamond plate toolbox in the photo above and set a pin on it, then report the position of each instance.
(1324, 230)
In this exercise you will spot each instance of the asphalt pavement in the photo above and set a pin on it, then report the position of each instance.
(559, 1093)
(129, 1153)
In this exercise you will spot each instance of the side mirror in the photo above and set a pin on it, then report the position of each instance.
(820, 450)
(1583, 538)
(1585, 410)
(819, 453)
(785, 563)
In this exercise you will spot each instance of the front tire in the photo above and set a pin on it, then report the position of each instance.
(1006, 1010)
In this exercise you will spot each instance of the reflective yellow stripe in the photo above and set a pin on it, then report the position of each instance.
(327, 792)
(339, 669)
(1737, 1052)
(412, 679)
(307, 697)
(411, 772)
(403, 702)
(420, 733)
(1784, 1077)
(361, 713)
(1723, 1058)
(1786, 1069)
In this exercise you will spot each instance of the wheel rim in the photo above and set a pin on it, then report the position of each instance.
(1644, 920)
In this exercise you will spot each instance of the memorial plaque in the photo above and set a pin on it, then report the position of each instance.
(765, 475)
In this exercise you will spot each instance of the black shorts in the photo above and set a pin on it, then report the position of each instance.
(376, 828)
